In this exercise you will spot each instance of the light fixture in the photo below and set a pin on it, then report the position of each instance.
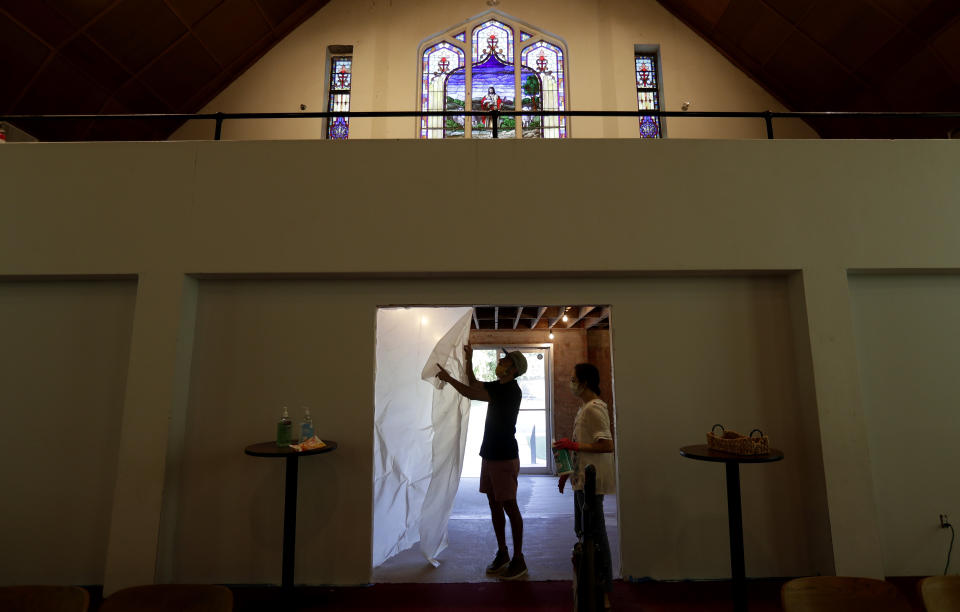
(565, 319)
(551, 335)
(424, 320)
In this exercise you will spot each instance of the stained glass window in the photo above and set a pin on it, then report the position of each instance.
(542, 81)
(648, 94)
(338, 128)
(492, 84)
(495, 70)
(442, 88)
(493, 38)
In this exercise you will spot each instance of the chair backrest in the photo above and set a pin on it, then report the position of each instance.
(940, 593)
(170, 598)
(842, 594)
(44, 599)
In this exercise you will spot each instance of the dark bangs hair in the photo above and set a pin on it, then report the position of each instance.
(588, 374)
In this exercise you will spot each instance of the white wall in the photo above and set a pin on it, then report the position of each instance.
(725, 353)
(908, 346)
(600, 38)
(781, 350)
(63, 366)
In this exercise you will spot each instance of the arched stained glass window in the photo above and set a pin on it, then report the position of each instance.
(493, 38)
(441, 92)
(543, 67)
(493, 83)
(501, 73)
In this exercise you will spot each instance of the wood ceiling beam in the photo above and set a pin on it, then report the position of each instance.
(476, 322)
(496, 317)
(554, 320)
(604, 314)
(540, 312)
(516, 321)
(584, 311)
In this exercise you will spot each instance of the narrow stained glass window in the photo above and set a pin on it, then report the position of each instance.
(462, 37)
(492, 79)
(338, 128)
(525, 36)
(542, 82)
(648, 94)
(442, 88)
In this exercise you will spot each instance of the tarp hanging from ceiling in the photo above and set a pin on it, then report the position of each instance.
(420, 429)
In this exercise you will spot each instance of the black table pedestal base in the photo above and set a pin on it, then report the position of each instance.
(290, 522)
(735, 521)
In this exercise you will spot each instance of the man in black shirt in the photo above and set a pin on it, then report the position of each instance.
(501, 459)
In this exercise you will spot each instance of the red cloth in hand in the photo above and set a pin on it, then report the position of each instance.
(566, 444)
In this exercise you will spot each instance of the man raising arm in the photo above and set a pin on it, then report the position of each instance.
(501, 459)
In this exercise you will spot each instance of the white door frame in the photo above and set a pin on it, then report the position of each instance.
(547, 347)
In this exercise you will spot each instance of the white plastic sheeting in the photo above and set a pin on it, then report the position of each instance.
(420, 429)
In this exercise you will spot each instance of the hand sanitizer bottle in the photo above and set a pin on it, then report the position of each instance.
(284, 429)
(306, 428)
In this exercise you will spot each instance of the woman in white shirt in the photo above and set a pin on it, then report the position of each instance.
(592, 444)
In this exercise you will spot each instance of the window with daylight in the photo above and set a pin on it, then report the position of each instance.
(509, 69)
(341, 68)
(648, 93)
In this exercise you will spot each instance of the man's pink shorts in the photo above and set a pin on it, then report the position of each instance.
(500, 478)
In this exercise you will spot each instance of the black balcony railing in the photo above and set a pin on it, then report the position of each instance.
(766, 116)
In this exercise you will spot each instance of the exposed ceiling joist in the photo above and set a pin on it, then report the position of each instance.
(594, 321)
(584, 311)
(554, 320)
(540, 312)
(535, 317)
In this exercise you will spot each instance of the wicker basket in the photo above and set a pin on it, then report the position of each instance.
(738, 444)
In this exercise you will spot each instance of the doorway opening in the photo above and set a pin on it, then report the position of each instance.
(553, 339)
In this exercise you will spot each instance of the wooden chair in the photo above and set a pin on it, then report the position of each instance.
(842, 594)
(44, 599)
(940, 593)
(170, 598)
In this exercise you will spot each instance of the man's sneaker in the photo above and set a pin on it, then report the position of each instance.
(516, 569)
(499, 562)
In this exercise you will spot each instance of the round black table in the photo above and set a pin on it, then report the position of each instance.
(270, 449)
(702, 452)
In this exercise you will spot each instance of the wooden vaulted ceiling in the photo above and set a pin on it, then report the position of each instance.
(163, 56)
(130, 56)
(843, 55)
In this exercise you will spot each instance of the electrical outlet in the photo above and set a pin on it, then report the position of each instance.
(944, 522)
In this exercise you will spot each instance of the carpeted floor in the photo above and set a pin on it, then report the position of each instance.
(650, 596)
